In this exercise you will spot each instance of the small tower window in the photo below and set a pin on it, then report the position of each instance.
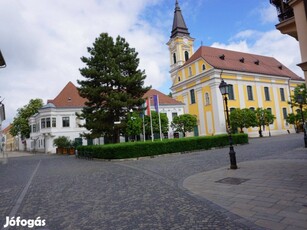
(204, 67)
(186, 55)
(178, 79)
(174, 58)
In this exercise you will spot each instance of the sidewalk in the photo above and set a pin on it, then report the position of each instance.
(4, 156)
(271, 193)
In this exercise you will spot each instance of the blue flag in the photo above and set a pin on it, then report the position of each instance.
(156, 103)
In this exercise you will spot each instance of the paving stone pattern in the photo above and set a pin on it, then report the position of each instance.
(133, 194)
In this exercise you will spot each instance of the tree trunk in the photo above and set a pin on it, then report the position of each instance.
(115, 137)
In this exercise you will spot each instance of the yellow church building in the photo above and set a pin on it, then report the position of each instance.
(255, 82)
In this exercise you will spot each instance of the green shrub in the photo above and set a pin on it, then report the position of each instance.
(62, 142)
(141, 149)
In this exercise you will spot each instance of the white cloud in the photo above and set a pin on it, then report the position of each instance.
(236, 46)
(271, 43)
(42, 42)
(268, 14)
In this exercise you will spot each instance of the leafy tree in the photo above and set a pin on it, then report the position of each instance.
(300, 89)
(20, 123)
(155, 123)
(113, 85)
(184, 123)
(294, 119)
(264, 118)
(242, 118)
(134, 124)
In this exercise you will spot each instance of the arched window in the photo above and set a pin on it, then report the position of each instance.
(284, 112)
(192, 94)
(178, 78)
(204, 67)
(266, 93)
(174, 58)
(231, 95)
(186, 55)
(270, 110)
(250, 93)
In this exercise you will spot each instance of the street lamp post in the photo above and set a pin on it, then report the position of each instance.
(300, 100)
(224, 88)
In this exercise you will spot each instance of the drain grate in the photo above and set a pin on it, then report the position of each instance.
(232, 180)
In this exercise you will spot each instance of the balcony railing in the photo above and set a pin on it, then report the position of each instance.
(284, 11)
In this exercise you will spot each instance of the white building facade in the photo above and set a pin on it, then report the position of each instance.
(57, 118)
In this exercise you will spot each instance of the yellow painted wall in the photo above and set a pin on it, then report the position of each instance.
(200, 66)
(251, 103)
(208, 108)
(236, 102)
(265, 80)
(248, 78)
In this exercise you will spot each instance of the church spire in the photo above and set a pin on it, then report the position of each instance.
(179, 26)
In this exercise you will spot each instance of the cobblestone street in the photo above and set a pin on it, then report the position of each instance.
(148, 193)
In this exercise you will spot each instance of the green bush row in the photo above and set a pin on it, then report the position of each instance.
(141, 149)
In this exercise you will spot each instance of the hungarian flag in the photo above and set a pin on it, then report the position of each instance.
(148, 106)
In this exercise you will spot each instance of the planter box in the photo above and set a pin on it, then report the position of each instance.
(59, 150)
(71, 151)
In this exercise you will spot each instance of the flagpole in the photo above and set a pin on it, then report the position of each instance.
(144, 134)
(152, 137)
(159, 119)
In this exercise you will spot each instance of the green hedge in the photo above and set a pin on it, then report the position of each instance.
(141, 149)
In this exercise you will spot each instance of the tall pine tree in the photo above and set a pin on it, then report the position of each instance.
(113, 85)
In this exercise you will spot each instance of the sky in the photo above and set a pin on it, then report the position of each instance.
(42, 40)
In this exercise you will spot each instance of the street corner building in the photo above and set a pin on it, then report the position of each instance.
(57, 118)
(255, 82)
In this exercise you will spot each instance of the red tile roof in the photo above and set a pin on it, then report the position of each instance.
(68, 97)
(7, 129)
(250, 63)
(163, 99)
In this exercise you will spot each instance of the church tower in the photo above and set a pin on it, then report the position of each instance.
(180, 44)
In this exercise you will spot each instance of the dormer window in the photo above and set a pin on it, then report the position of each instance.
(257, 62)
(222, 57)
(242, 60)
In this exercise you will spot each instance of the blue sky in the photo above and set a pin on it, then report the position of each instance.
(42, 41)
